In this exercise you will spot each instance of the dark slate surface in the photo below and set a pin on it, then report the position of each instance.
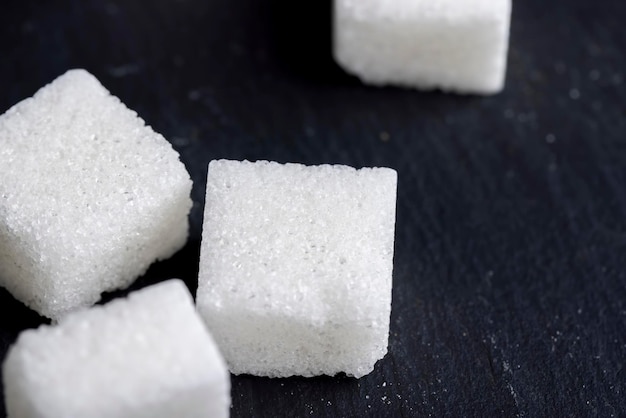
(509, 282)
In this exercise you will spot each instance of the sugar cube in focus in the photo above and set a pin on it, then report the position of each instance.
(89, 196)
(296, 266)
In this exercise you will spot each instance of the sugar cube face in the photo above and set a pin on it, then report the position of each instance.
(146, 356)
(89, 196)
(296, 266)
(453, 45)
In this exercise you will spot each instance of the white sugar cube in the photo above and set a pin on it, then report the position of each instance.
(89, 196)
(296, 266)
(453, 45)
(148, 356)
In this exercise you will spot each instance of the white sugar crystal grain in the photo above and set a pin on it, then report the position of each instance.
(296, 266)
(453, 45)
(89, 196)
(146, 356)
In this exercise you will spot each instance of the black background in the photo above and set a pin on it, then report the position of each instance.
(509, 281)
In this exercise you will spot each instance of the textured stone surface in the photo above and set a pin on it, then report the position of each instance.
(509, 281)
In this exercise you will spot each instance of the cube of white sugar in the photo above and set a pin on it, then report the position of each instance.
(296, 265)
(148, 356)
(453, 45)
(89, 196)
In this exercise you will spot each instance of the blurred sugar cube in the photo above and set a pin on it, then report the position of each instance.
(149, 355)
(458, 46)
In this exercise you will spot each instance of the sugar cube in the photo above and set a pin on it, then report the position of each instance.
(89, 196)
(458, 46)
(148, 356)
(296, 266)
